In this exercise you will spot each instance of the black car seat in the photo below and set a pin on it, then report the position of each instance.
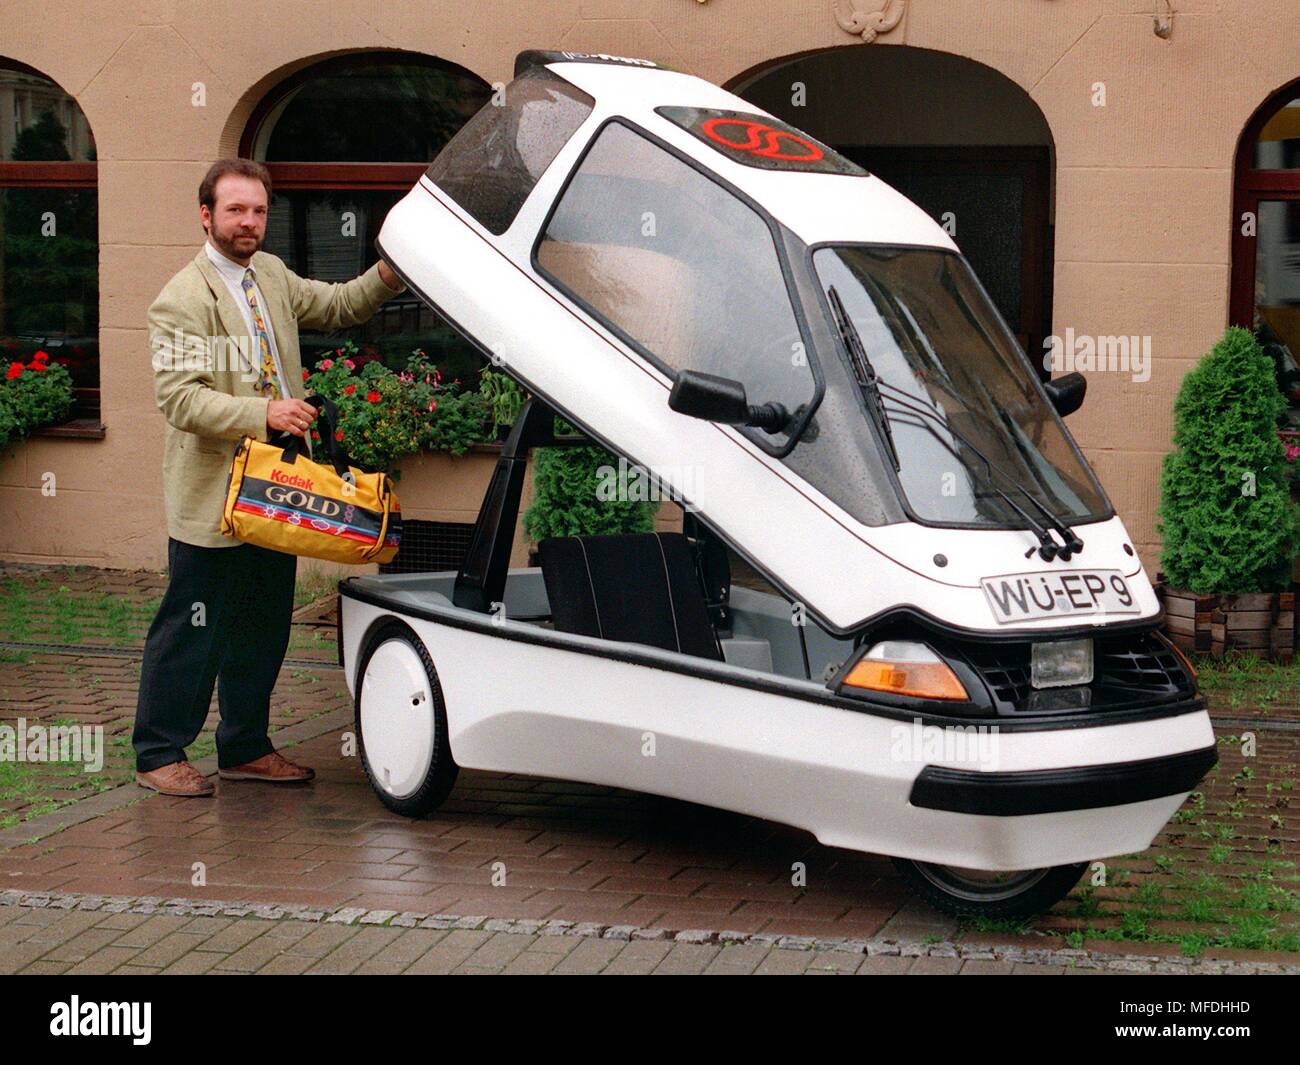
(636, 587)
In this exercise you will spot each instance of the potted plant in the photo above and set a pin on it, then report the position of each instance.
(384, 415)
(1226, 516)
(32, 395)
(569, 500)
(503, 397)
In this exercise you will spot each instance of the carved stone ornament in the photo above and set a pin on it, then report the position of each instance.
(1164, 21)
(868, 25)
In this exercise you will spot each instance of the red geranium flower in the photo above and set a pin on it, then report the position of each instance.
(15, 370)
(305, 375)
(372, 397)
(41, 356)
(338, 435)
(37, 366)
(349, 389)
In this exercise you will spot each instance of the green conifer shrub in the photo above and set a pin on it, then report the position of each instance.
(1226, 514)
(572, 495)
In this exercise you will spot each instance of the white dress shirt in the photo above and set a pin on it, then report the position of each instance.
(233, 275)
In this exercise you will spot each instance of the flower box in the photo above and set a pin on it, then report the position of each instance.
(1188, 617)
(1260, 623)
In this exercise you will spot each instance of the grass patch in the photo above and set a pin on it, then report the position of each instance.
(40, 610)
(313, 585)
(1239, 679)
(201, 748)
(41, 788)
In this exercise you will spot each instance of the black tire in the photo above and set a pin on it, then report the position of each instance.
(1021, 894)
(441, 775)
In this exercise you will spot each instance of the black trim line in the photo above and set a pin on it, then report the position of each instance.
(1050, 791)
(692, 667)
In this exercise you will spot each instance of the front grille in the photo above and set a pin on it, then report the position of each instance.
(1138, 662)
(1005, 669)
(1126, 669)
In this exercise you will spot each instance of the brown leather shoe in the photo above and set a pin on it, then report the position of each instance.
(274, 768)
(179, 778)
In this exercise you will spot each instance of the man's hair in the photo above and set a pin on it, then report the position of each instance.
(245, 167)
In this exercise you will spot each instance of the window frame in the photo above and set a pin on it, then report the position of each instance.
(307, 174)
(1251, 186)
(756, 436)
(85, 419)
(343, 176)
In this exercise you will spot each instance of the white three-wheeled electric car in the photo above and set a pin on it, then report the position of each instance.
(956, 662)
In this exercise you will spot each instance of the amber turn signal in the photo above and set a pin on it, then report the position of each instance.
(905, 668)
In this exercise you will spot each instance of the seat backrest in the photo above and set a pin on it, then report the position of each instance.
(637, 587)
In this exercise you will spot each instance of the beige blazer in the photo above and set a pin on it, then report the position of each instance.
(205, 373)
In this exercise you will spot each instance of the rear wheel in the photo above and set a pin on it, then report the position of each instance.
(402, 723)
(977, 893)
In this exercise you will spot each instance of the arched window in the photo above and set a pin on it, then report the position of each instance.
(345, 140)
(49, 235)
(1266, 237)
(961, 140)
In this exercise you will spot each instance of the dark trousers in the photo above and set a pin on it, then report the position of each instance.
(224, 619)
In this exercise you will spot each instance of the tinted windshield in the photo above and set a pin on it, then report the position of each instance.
(954, 386)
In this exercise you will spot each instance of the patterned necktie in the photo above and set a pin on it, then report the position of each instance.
(267, 378)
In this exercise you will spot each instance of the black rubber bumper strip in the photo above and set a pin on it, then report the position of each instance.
(1049, 791)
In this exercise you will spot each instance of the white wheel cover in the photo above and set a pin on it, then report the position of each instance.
(397, 718)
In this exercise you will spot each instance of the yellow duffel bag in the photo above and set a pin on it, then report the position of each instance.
(280, 499)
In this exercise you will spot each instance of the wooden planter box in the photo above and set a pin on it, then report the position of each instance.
(1188, 618)
(435, 486)
(1261, 623)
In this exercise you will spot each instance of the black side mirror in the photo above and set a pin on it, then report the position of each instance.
(1066, 393)
(720, 399)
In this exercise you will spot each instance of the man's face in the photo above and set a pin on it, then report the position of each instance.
(237, 222)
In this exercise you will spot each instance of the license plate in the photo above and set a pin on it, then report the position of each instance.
(1019, 597)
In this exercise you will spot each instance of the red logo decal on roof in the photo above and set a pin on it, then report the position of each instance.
(761, 139)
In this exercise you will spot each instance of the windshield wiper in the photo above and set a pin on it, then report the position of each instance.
(871, 384)
(1070, 537)
(1048, 548)
(866, 377)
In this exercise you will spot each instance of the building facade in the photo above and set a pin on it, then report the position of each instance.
(1125, 181)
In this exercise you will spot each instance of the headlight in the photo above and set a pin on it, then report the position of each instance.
(1061, 663)
(901, 667)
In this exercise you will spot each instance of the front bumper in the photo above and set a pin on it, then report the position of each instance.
(1045, 791)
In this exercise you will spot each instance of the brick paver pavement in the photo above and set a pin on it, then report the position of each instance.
(51, 939)
(526, 848)
(70, 646)
(502, 846)
(523, 847)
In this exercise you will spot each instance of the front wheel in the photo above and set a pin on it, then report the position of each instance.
(977, 893)
(402, 723)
